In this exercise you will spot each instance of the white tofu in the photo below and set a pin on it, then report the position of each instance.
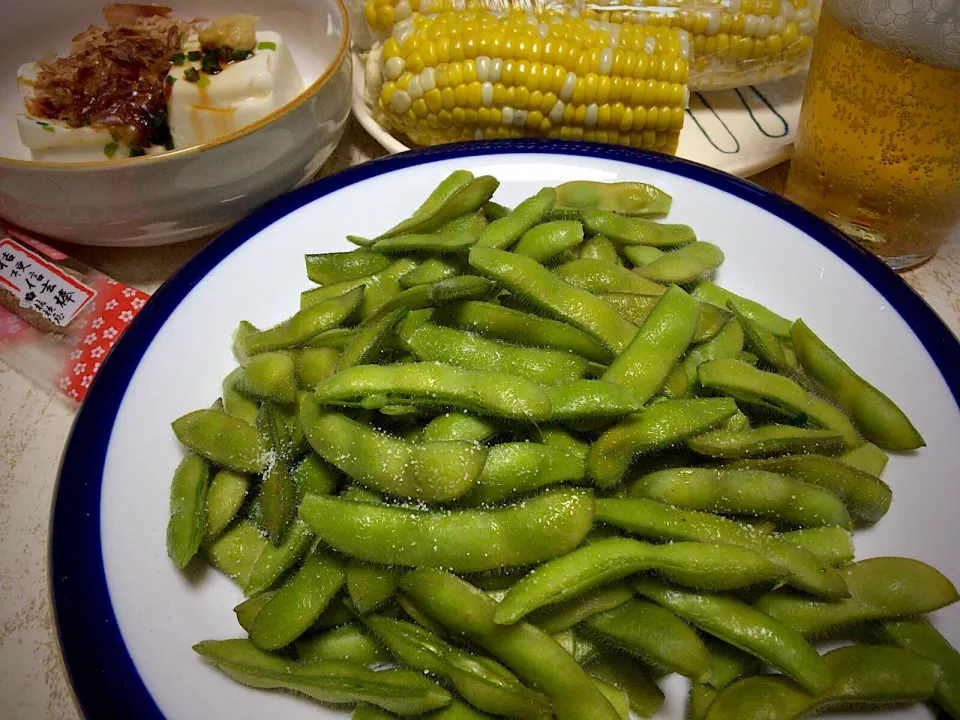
(55, 141)
(243, 93)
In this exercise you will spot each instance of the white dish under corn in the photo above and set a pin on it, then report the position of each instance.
(186, 193)
(127, 617)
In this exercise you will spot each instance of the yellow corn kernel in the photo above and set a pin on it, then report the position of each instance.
(474, 95)
(469, 71)
(433, 99)
(459, 116)
(449, 99)
(419, 108)
(676, 118)
(603, 116)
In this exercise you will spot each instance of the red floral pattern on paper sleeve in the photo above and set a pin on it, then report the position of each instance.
(96, 331)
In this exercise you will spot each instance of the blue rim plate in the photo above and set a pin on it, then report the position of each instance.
(104, 677)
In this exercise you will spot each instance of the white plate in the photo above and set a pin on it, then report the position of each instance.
(740, 131)
(127, 618)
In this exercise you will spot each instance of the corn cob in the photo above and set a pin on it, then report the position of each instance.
(734, 42)
(478, 74)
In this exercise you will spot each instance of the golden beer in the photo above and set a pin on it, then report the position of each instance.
(878, 147)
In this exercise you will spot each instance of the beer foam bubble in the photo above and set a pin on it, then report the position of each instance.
(927, 30)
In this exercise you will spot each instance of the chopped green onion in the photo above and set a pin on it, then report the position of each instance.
(168, 145)
(178, 59)
(266, 45)
(171, 80)
(240, 55)
(110, 149)
(191, 74)
(115, 135)
(41, 122)
(211, 63)
(48, 128)
(194, 55)
(203, 80)
(137, 152)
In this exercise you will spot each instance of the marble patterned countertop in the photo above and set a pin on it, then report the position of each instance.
(34, 425)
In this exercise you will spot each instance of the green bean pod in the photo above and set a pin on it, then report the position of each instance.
(657, 521)
(666, 333)
(883, 588)
(188, 509)
(865, 676)
(746, 383)
(333, 681)
(546, 240)
(876, 415)
(598, 276)
(517, 468)
(867, 497)
(534, 530)
(426, 472)
(920, 637)
(223, 440)
(432, 384)
(755, 632)
(708, 292)
(346, 642)
(658, 426)
(765, 440)
(436, 343)
(625, 198)
(754, 493)
(529, 652)
(539, 287)
(504, 232)
(327, 268)
(698, 564)
(296, 605)
(658, 637)
(636, 231)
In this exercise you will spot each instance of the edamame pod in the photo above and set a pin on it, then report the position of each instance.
(709, 292)
(327, 268)
(684, 265)
(754, 493)
(225, 497)
(635, 231)
(448, 187)
(347, 642)
(272, 562)
(761, 341)
(513, 469)
(296, 605)
(585, 399)
(656, 427)
(654, 520)
(503, 232)
(630, 676)
(333, 681)
(459, 426)
(625, 198)
(455, 236)
(223, 440)
(486, 393)
(598, 276)
(436, 343)
(747, 628)
(532, 654)
(306, 323)
(549, 239)
(876, 415)
(746, 383)
(365, 345)
(369, 586)
(313, 475)
(599, 248)
(765, 440)
(535, 530)
(315, 364)
(661, 639)
(644, 365)
(434, 270)
(831, 543)
(452, 199)
(539, 287)
(427, 472)
(235, 402)
(603, 561)
(867, 457)
(883, 588)
(636, 308)
(247, 611)
(188, 509)
(277, 499)
(564, 615)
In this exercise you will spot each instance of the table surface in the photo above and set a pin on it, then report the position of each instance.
(34, 425)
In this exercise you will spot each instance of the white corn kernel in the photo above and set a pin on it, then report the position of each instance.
(779, 23)
(749, 25)
(486, 94)
(400, 102)
(650, 45)
(764, 23)
(519, 118)
(393, 68)
(606, 62)
(787, 11)
(713, 22)
(428, 79)
(590, 121)
(402, 11)
(413, 88)
(496, 67)
(556, 113)
(483, 68)
(569, 84)
(506, 116)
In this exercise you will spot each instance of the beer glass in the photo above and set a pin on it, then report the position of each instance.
(877, 152)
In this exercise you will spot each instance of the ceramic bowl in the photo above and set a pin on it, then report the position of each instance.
(188, 193)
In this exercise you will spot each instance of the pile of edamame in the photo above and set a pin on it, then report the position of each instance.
(526, 462)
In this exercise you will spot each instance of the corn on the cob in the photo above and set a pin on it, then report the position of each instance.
(471, 75)
(734, 42)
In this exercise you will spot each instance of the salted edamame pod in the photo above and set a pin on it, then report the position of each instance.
(486, 393)
(223, 440)
(603, 561)
(533, 655)
(565, 615)
(710, 292)
(369, 586)
(454, 237)
(868, 458)
(427, 472)
(635, 308)
(505, 231)
(754, 493)
(546, 240)
(448, 187)
(188, 509)
(656, 427)
(277, 499)
(876, 415)
(599, 276)
(831, 543)
(745, 627)
(516, 468)
(684, 265)
(452, 199)
(634, 230)
(333, 681)
(326, 268)
(225, 497)
(366, 344)
(561, 300)
(625, 198)
(537, 529)
(599, 248)
(236, 402)
(883, 588)
(459, 426)
(346, 642)
(585, 399)
(765, 440)
(632, 677)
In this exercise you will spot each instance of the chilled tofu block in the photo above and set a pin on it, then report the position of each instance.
(242, 93)
(55, 141)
